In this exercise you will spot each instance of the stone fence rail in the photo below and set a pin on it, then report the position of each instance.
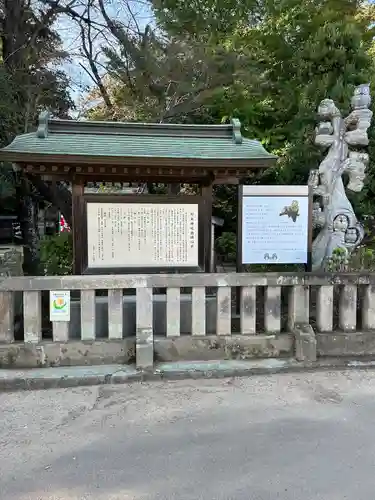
(148, 318)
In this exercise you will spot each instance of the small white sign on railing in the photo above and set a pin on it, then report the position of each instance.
(59, 305)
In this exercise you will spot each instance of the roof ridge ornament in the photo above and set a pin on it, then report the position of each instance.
(237, 136)
(42, 131)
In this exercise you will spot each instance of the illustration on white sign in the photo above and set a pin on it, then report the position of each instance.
(121, 235)
(275, 229)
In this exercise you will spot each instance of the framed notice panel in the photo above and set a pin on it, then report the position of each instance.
(275, 225)
(143, 234)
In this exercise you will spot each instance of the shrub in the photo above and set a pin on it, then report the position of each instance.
(362, 259)
(56, 254)
(226, 247)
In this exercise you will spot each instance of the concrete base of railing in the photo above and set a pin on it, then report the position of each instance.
(346, 344)
(72, 353)
(303, 344)
(183, 348)
(214, 347)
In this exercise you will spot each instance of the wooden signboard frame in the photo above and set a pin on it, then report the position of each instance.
(82, 255)
(273, 191)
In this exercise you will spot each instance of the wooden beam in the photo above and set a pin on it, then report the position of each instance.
(78, 221)
(226, 180)
(207, 195)
(217, 164)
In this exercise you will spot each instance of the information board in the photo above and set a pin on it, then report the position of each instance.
(275, 224)
(141, 235)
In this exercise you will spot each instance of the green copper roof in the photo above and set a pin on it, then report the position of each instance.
(142, 140)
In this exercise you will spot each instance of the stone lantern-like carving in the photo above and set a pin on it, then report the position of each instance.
(333, 214)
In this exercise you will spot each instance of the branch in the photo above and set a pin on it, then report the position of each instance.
(87, 48)
(57, 8)
(193, 101)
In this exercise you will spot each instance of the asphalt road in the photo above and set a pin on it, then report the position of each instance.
(282, 437)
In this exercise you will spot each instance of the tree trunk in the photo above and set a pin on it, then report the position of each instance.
(28, 219)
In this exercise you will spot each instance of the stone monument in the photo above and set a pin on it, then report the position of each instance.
(333, 214)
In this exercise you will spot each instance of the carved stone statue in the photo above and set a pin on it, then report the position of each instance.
(334, 214)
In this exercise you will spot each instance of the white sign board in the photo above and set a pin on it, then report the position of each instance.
(126, 235)
(59, 305)
(275, 224)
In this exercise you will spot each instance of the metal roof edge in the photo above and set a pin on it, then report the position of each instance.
(47, 124)
(67, 159)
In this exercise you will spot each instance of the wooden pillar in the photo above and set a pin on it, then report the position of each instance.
(239, 266)
(212, 257)
(173, 189)
(77, 221)
(207, 195)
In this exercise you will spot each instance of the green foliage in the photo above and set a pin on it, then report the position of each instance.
(56, 254)
(213, 18)
(30, 81)
(295, 53)
(339, 261)
(305, 51)
(225, 205)
(226, 245)
(159, 77)
(363, 259)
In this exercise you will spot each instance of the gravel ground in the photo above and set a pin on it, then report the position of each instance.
(290, 437)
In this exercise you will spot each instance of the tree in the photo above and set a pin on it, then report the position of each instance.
(302, 52)
(29, 48)
(164, 77)
(212, 19)
(152, 75)
(308, 51)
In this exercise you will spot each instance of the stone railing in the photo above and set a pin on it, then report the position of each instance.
(146, 318)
